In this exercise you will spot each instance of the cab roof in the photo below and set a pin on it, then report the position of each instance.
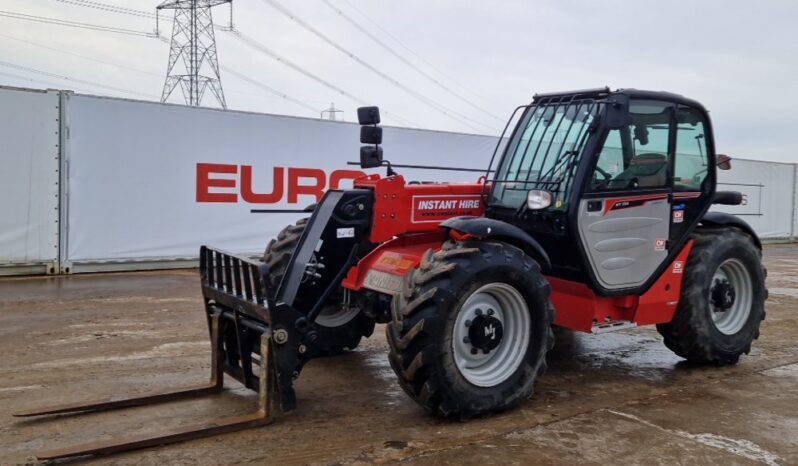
(602, 93)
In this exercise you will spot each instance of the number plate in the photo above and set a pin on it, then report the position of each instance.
(383, 282)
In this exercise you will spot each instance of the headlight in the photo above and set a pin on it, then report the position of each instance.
(538, 199)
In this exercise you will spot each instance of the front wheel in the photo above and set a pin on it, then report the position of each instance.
(722, 299)
(471, 328)
(339, 327)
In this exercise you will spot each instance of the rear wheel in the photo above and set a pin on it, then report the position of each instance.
(471, 328)
(339, 327)
(722, 299)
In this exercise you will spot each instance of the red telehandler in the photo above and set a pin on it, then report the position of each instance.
(595, 217)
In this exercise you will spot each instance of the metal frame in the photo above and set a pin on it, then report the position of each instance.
(239, 305)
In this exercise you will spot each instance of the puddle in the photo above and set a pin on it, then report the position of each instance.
(738, 447)
(378, 363)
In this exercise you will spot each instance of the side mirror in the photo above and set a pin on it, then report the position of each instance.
(723, 161)
(370, 156)
(368, 115)
(728, 198)
(371, 135)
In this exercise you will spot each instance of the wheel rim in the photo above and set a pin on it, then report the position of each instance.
(730, 296)
(494, 362)
(336, 316)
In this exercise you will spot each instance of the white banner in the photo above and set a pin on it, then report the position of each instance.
(152, 181)
(29, 151)
(768, 188)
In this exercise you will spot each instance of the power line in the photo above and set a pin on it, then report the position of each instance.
(74, 24)
(270, 89)
(267, 51)
(411, 51)
(142, 13)
(85, 57)
(462, 119)
(238, 35)
(241, 76)
(70, 79)
(226, 69)
(404, 60)
(33, 80)
(259, 84)
(109, 7)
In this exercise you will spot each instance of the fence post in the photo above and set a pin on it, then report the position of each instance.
(794, 201)
(63, 182)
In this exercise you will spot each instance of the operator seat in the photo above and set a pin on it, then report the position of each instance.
(649, 170)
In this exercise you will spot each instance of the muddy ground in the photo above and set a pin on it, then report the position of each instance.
(619, 398)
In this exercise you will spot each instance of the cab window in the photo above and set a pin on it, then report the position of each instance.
(691, 163)
(636, 156)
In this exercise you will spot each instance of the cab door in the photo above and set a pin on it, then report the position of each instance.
(624, 216)
(693, 171)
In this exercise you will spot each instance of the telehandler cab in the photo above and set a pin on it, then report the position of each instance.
(597, 208)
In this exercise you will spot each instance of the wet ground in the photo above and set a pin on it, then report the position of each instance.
(619, 398)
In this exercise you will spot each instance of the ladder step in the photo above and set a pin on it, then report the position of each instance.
(612, 326)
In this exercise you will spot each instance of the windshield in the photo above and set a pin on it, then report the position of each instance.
(544, 151)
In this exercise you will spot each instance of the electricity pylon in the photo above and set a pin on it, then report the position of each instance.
(193, 46)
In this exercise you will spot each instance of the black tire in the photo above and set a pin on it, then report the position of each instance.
(692, 334)
(332, 339)
(420, 335)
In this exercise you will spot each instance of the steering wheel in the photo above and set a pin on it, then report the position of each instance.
(607, 176)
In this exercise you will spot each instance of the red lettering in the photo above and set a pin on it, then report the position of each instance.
(341, 175)
(255, 198)
(295, 189)
(205, 182)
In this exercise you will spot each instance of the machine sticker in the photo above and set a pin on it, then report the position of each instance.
(345, 232)
(678, 266)
(433, 209)
(631, 202)
(659, 244)
(394, 262)
(678, 216)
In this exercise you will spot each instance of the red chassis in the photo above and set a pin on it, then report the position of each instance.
(406, 219)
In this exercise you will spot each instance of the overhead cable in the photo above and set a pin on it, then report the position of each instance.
(376, 24)
(269, 89)
(74, 24)
(85, 57)
(271, 53)
(404, 60)
(109, 7)
(76, 80)
(460, 118)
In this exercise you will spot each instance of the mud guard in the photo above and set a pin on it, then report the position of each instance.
(722, 219)
(483, 227)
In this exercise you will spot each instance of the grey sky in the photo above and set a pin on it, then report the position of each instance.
(740, 58)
